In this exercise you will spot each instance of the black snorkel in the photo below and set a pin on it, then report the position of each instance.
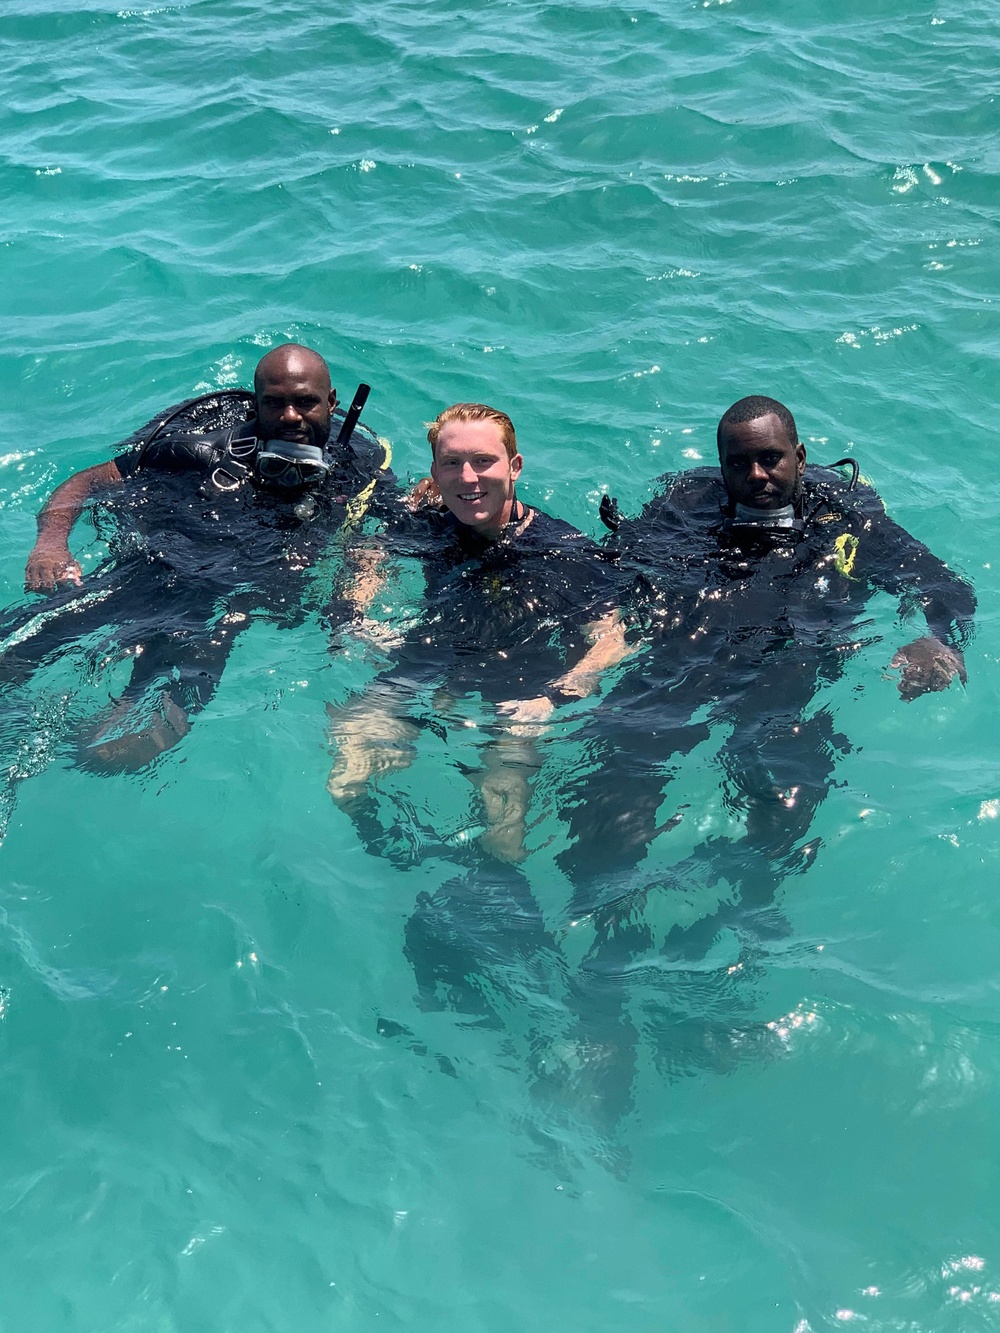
(353, 414)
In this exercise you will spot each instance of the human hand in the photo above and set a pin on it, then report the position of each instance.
(424, 494)
(927, 664)
(375, 634)
(577, 684)
(527, 710)
(50, 566)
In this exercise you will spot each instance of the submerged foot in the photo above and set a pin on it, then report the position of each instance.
(133, 750)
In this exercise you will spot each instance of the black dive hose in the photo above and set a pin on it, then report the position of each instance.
(852, 463)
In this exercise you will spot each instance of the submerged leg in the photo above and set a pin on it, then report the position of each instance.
(174, 675)
(373, 739)
(35, 634)
(510, 762)
(371, 742)
(781, 770)
(613, 819)
(476, 945)
(604, 1036)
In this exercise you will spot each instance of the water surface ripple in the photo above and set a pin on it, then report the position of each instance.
(224, 1107)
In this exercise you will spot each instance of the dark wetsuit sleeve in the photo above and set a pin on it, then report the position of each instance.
(899, 564)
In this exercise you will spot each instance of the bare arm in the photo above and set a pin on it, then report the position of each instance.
(50, 562)
(607, 649)
(367, 577)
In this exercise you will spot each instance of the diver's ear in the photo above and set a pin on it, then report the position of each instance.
(800, 456)
(332, 400)
(516, 464)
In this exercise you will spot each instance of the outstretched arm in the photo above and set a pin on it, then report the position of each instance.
(50, 562)
(367, 580)
(903, 566)
(607, 649)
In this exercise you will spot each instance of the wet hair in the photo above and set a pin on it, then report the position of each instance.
(751, 409)
(280, 356)
(473, 412)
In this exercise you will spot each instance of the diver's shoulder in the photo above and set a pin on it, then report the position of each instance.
(691, 497)
(187, 433)
(691, 489)
(852, 498)
(207, 412)
(365, 448)
(545, 529)
(543, 521)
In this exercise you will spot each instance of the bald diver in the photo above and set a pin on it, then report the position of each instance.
(214, 512)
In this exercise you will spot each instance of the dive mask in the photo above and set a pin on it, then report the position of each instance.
(291, 465)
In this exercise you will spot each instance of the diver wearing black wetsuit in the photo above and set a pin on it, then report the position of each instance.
(752, 585)
(504, 619)
(206, 528)
(518, 612)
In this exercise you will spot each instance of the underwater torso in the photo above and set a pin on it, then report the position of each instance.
(732, 595)
(502, 617)
(190, 506)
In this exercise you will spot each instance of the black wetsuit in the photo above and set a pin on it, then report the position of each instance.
(501, 618)
(743, 627)
(197, 549)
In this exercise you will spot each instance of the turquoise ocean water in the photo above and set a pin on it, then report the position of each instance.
(223, 1107)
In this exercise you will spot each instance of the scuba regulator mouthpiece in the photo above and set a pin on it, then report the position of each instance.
(291, 465)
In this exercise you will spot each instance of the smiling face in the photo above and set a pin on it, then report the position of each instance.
(761, 467)
(294, 397)
(475, 474)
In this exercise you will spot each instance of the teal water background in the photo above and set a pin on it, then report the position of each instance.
(612, 221)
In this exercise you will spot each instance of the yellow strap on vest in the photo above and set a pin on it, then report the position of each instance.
(846, 547)
(357, 506)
